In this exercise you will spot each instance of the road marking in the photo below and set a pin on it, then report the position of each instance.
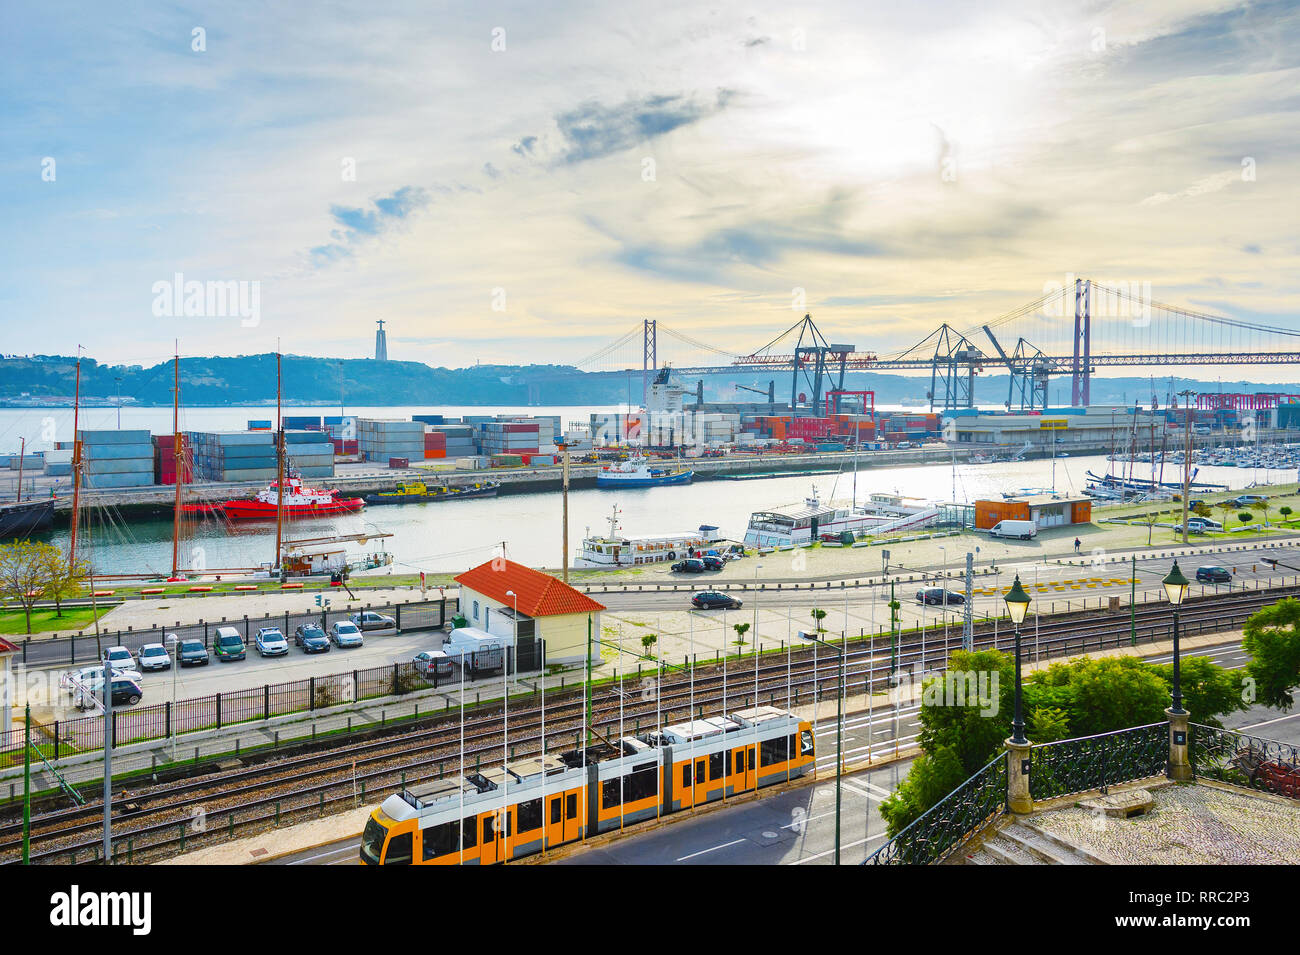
(711, 849)
(828, 852)
(877, 795)
(1265, 723)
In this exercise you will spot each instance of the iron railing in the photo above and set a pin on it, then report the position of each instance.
(1250, 762)
(1098, 762)
(950, 822)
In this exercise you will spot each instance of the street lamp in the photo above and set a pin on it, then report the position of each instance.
(1017, 602)
(505, 731)
(1176, 590)
(839, 732)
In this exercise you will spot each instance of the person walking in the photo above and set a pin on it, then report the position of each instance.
(1077, 544)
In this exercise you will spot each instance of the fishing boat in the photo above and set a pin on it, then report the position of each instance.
(615, 549)
(638, 472)
(298, 502)
(417, 492)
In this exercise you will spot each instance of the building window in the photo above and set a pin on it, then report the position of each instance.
(476, 610)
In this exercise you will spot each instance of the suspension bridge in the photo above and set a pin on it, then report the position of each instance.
(1071, 330)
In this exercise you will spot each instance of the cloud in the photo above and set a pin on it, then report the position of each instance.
(358, 223)
(1214, 183)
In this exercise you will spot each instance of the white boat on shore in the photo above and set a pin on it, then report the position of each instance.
(615, 549)
(812, 520)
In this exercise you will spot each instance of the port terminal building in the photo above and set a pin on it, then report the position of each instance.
(1045, 510)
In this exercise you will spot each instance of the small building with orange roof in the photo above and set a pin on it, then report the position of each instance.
(509, 599)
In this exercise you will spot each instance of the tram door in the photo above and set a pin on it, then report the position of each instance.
(490, 847)
(750, 754)
(555, 820)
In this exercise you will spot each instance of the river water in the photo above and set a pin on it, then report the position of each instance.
(455, 535)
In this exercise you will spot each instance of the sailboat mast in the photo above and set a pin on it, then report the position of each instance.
(279, 494)
(176, 453)
(76, 466)
(22, 451)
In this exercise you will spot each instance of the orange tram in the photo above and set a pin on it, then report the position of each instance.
(509, 812)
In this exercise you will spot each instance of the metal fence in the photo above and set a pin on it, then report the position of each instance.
(951, 821)
(89, 648)
(1250, 762)
(138, 724)
(1098, 762)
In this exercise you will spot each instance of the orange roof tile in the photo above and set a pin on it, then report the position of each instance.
(538, 594)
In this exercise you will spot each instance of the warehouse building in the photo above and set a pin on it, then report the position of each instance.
(1045, 510)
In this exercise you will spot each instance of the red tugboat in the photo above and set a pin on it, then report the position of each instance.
(298, 502)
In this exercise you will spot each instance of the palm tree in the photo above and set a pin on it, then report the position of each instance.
(818, 616)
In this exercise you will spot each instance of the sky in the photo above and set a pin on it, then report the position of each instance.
(523, 182)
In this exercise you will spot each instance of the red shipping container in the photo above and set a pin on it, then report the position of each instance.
(435, 452)
(520, 428)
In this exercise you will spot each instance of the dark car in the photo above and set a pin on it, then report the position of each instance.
(691, 565)
(124, 691)
(369, 620)
(229, 645)
(937, 595)
(712, 562)
(311, 638)
(193, 653)
(709, 599)
(432, 663)
(1213, 575)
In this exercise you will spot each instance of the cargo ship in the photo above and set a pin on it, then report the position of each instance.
(299, 502)
(638, 472)
(417, 492)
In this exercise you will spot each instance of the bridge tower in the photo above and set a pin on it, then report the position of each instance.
(649, 355)
(1081, 366)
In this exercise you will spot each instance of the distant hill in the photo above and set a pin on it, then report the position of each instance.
(250, 379)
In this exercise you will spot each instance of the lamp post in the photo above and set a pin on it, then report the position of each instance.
(505, 731)
(839, 732)
(1017, 602)
(1176, 590)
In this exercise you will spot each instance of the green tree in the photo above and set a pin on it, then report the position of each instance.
(24, 573)
(972, 732)
(741, 629)
(1285, 512)
(1226, 507)
(1202, 510)
(1272, 638)
(1209, 690)
(63, 577)
(1262, 507)
(1149, 519)
(1047, 724)
(1098, 696)
(932, 776)
(1243, 516)
(647, 644)
(818, 616)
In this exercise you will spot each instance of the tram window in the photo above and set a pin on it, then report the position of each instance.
(641, 784)
(440, 840)
(489, 830)
(555, 810)
(686, 775)
(700, 770)
(571, 805)
(530, 815)
(773, 751)
(806, 738)
(469, 835)
(716, 765)
(399, 850)
(611, 793)
(740, 761)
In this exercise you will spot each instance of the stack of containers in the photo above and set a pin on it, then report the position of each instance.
(26, 462)
(164, 460)
(459, 439)
(310, 453)
(303, 422)
(259, 424)
(58, 463)
(114, 459)
(435, 444)
(381, 439)
(233, 455)
(429, 418)
(508, 438)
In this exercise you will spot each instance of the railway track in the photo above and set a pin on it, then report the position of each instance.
(155, 821)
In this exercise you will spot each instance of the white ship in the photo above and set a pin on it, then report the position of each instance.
(812, 520)
(618, 550)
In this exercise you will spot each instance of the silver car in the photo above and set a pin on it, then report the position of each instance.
(344, 633)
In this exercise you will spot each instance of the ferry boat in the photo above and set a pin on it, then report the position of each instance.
(796, 524)
(299, 502)
(615, 550)
(638, 472)
(416, 492)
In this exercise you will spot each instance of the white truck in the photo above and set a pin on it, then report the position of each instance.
(476, 650)
(1023, 530)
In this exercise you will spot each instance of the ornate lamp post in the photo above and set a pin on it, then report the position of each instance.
(1176, 590)
(1017, 602)
(1180, 765)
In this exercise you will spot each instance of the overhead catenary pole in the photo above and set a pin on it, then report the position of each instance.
(108, 758)
(1187, 454)
(564, 495)
(279, 486)
(76, 467)
(176, 453)
(27, 786)
(22, 452)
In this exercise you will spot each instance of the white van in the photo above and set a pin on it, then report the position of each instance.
(1023, 530)
(475, 648)
(1202, 525)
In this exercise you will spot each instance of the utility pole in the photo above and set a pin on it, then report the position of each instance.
(1132, 597)
(27, 786)
(968, 625)
(1187, 454)
(108, 758)
(564, 494)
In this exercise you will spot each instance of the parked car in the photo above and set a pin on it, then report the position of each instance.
(270, 642)
(713, 562)
(709, 599)
(125, 691)
(311, 638)
(121, 657)
(193, 653)
(154, 656)
(1214, 575)
(937, 595)
(691, 565)
(228, 645)
(1245, 500)
(1202, 525)
(369, 620)
(71, 678)
(431, 663)
(344, 633)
